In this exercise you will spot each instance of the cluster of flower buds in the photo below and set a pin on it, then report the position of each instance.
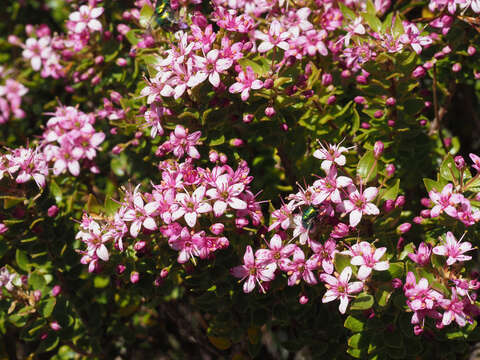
(190, 208)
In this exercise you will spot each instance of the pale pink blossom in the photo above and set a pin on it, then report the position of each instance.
(340, 288)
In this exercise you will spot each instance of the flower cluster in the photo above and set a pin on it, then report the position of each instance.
(188, 201)
(11, 99)
(24, 164)
(316, 216)
(70, 138)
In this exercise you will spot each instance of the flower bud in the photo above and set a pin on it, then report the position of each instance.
(303, 299)
(391, 123)
(56, 290)
(459, 162)
(134, 277)
(418, 220)
(331, 100)
(361, 79)
(140, 245)
(397, 283)
(268, 84)
(213, 156)
(37, 295)
(269, 111)
(55, 326)
(365, 125)
(428, 65)
(456, 67)
(284, 127)
(418, 72)
(241, 222)
(400, 201)
(43, 336)
(378, 149)
(447, 141)
(346, 74)
(3, 228)
(217, 228)
(359, 100)
(404, 228)
(391, 101)
(99, 60)
(471, 50)
(247, 118)
(389, 205)
(121, 62)
(327, 79)
(120, 269)
(223, 158)
(164, 273)
(52, 211)
(14, 40)
(425, 213)
(400, 243)
(447, 50)
(378, 114)
(390, 169)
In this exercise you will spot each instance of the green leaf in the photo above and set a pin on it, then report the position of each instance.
(37, 281)
(431, 185)
(354, 324)
(101, 281)
(341, 261)
(372, 21)
(396, 270)
(48, 344)
(367, 166)
(398, 30)
(256, 67)
(47, 306)
(382, 295)
(448, 170)
(392, 192)
(22, 260)
(218, 141)
(55, 191)
(362, 302)
(146, 15)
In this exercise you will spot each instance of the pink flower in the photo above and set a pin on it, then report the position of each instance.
(86, 16)
(368, 259)
(328, 187)
(275, 37)
(445, 201)
(190, 206)
(226, 193)
(254, 273)
(476, 161)
(360, 203)
(453, 249)
(140, 214)
(275, 253)
(211, 66)
(187, 243)
(412, 37)
(298, 268)
(332, 155)
(246, 80)
(453, 310)
(422, 256)
(325, 253)
(95, 238)
(340, 288)
(182, 142)
(37, 51)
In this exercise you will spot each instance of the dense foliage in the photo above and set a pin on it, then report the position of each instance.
(239, 179)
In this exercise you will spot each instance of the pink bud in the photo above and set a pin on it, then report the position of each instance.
(43, 336)
(447, 50)
(241, 222)
(52, 211)
(428, 65)
(268, 84)
(303, 299)
(37, 295)
(331, 100)
(247, 47)
(362, 79)
(397, 283)
(391, 123)
(391, 101)
(140, 245)
(180, 131)
(284, 127)
(418, 220)
(459, 162)
(55, 326)
(247, 118)
(471, 50)
(116, 97)
(14, 40)
(404, 228)
(269, 111)
(134, 277)
(389, 205)
(447, 141)
(400, 201)
(418, 72)
(359, 100)
(426, 202)
(378, 149)
(95, 80)
(378, 114)
(200, 20)
(164, 273)
(121, 62)
(327, 79)
(56, 290)
(120, 269)
(400, 243)
(213, 156)
(3, 228)
(346, 74)
(390, 168)
(365, 125)
(217, 228)
(236, 142)
(223, 158)
(425, 213)
(223, 242)
(99, 60)
(456, 67)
